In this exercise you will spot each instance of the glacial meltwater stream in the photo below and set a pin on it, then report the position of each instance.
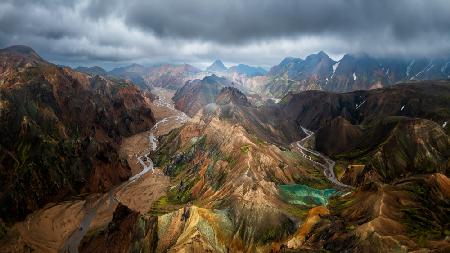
(93, 204)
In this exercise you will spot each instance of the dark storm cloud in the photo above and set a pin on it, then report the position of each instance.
(252, 31)
(236, 21)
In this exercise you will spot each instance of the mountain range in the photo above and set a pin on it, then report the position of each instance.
(352, 72)
(315, 72)
(96, 161)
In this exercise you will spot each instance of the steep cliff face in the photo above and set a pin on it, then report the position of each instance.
(60, 131)
(337, 136)
(427, 99)
(127, 232)
(405, 147)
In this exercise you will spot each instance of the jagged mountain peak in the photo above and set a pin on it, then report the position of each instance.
(217, 66)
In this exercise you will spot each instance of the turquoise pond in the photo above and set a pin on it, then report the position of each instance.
(300, 194)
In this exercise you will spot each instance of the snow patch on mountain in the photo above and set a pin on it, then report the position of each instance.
(427, 68)
(408, 69)
(335, 66)
(359, 105)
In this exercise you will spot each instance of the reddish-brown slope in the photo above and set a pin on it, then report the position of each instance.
(60, 131)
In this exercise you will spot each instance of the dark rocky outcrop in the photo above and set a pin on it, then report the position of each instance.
(60, 131)
(127, 232)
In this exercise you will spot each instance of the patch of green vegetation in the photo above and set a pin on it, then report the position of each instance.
(269, 235)
(350, 228)
(231, 160)
(182, 193)
(290, 154)
(215, 177)
(357, 155)
(339, 170)
(259, 142)
(419, 223)
(23, 165)
(418, 190)
(315, 178)
(120, 85)
(93, 233)
(168, 147)
(420, 226)
(337, 205)
(297, 211)
(162, 206)
(245, 148)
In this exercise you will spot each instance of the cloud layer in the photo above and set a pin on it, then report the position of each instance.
(259, 32)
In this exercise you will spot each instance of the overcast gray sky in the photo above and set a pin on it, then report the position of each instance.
(258, 32)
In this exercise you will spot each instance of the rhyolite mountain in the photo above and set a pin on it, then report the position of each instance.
(170, 76)
(229, 171)
(316, 72)
(218, 68)
(230, 176)
(195, 94)
(60, 131)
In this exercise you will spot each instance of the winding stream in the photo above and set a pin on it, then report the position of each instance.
(93, 204)
(327, 165)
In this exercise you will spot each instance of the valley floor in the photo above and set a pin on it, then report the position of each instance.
(60, 227)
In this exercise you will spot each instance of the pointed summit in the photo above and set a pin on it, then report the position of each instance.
(322, 54)
(217, 66)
